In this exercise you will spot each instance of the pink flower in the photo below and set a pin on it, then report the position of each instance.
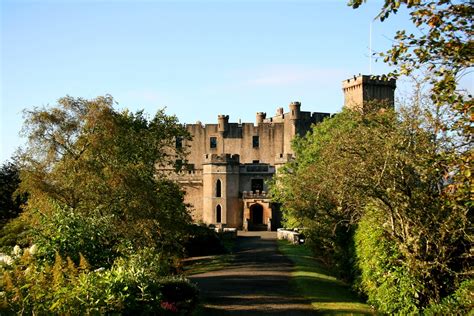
(169, 307)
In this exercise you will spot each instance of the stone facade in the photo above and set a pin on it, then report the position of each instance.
(230, 163)
(358, 90)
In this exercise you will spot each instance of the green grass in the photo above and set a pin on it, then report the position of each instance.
(207, 264)
(328, 295)
(210, 263)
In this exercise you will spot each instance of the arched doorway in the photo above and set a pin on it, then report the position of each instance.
(256, 217)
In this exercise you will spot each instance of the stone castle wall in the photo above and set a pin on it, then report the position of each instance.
(243, 156)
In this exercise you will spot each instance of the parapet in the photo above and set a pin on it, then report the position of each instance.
(295, 109)
(261, 117)
(223, 122)
(372, 80)
(318, 117)
(221, 159)
(362, 89)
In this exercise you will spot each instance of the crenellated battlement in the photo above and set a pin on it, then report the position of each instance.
(230, 163)
(365, 79)
(363, 88)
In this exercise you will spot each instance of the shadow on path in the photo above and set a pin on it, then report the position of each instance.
(257, 282)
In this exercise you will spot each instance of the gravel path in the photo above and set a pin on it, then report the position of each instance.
(256, 282)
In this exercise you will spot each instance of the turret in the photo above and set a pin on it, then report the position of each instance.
(223, 123)
(362, 89)
(295, 109)
(279, 112)
(260, 117)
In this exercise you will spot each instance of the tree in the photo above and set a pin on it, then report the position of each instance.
(10, 204)
(444, 47)
(443, 50)
(12, 228)
(325, 188)
(381, 168)
(88, 158)
(106, 227)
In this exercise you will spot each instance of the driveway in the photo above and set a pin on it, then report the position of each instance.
(257, 282)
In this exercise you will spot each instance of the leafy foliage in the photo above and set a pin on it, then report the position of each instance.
(10, 203)
(443, 236)
(384, 277)
(15, 232)
(202, 241)
(94, 192)
(97, 162)
(69, 234)
(130, 286)
(326, 194)
(389, 162)
(444, 48)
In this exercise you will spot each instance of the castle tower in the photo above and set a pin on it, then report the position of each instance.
(295, 110)
(362, 89)
(260, 117)
(221, 190)
(223, 123)
(292, 123)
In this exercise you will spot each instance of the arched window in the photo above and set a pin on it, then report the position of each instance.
(218, 188)
(218, 214)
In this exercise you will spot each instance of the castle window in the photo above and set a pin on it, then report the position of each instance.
(178, 164)
(218, 188)
(179, 142)
(257, 185)
(255, 141)
(213, 142)
(218, 214)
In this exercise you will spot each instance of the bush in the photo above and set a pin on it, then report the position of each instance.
(384, 277)
(69, 234)
(459, 303)
(202, 241)
(178, 294)
(397, 285)
(128, 287)
(15, 232)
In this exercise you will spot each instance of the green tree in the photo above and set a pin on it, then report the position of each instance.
(10, 204)
(88, 158)
(444, 48)
(356, 162)
(443, 51)
(12, 227)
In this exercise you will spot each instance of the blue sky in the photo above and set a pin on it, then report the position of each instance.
(196, 58)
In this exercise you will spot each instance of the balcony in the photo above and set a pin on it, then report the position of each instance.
(260, 195)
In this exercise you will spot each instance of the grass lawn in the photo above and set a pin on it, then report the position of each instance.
(204, 264)
(327, 294)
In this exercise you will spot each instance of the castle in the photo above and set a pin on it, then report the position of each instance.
(226, 173)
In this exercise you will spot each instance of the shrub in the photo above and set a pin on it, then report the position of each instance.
(458, 303)
(384, 277)
(128, 287)
(15, 232)
(180, 293)
(69, 234)
(202, 241)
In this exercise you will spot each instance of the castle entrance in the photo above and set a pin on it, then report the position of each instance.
(257, 211)
(256, 214)
(256, 220)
